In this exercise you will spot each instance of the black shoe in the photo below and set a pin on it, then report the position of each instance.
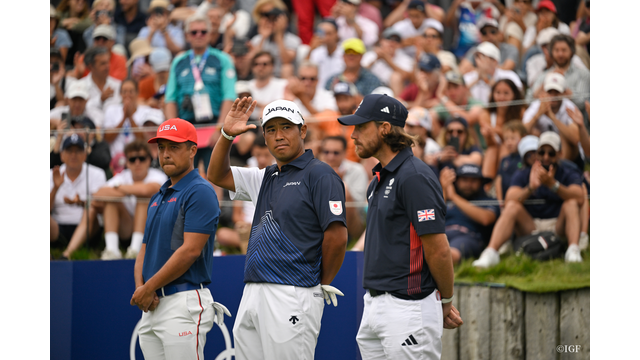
(62, 258)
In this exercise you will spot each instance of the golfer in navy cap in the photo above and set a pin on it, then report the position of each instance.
(408, 272)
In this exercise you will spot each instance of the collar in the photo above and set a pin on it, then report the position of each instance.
(395, 163)
(182, 183)
(301, 161)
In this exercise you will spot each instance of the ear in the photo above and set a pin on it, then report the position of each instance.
(303, 131)
(384, 129)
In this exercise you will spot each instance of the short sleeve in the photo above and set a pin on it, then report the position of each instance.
(424, 204)
(520, 178)
(171, 90)
(513, 29)
(248, 182)
(155, 176)
(201, 210)
(571, 177)
(530, 112)
(63, 40)
(329, 200)
(511, 53)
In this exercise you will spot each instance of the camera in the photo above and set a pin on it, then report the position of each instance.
(455, 142)
(186, 103)
(157, 11)
(55, 67)
(106, 13)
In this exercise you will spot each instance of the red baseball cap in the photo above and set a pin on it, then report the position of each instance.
(176, 130)
(547, 4)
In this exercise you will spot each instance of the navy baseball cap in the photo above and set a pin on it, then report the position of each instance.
(73, 140)
(429, 62)
(471, 171)
(459, 119)
(344, 88)
(377, 107)
(417, 5)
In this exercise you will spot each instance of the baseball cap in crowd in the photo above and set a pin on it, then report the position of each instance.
(550, 138)
(242, 87)
(104, 30)
(77, 89)
(471, 171)
(160, 59)
(155, 117)
(376, 107)
(53, 12)
(158, 4)
(176, 130)
(486, 21)
(429, 62)
(545, 35)
(416, 4)
(488, 49)
(345, 88)
(459, 119)
(352, 2)
(354, 44)
(547, 4)
(138, 48)
(383, 90)
(554, 81)
(73, 140)
(419, 116)
(282, 109)
(526, 144)
(239, 47)
(161, 90)
(434, 24)
(454, 77)
(391, 34)
(447, 59)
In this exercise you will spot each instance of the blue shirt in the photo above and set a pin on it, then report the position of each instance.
(508, 166)
(190, 205)
(294, 206)
(455, 216)
(405, 202)
(366, 82)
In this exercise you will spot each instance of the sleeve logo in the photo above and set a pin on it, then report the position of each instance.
(336, 207)
(426, 215)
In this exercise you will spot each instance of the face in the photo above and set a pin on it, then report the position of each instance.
(215, 17)
(546, 17)
(128, 91)
(103, 41)
(391, 44)
(197, 35)
(73, 157)
(367, 139)
(352, 59)
(333, 153)
(128, 4)
(490, 34)
(456, 92)
(416, 16)
(175, 158)
(100, 66)
(345, 104)
(455, 129)
(77, 6)
(530, 158)
(309, 78)
(485, 63)
(432, 40)
(262, 67)
(77, 106)
(284, 140)
(415, 130)
(555, 104)
(138, 162)
(547, 156)
(153, 130)
(511, 140)
(502, 92)
(262, 156)
(561, 53)
(330, 33)
(468, 186)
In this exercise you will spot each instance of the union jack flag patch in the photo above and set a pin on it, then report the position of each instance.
(425, 215)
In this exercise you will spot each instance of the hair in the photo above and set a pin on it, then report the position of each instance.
(262, 53)
(91, 53)
(469, 142)
(513, 111)
(65, 6)
(197, 18)
(111, 2)
(135, 83)
(259, 141)
(338, 138)
(256, 8)
(562, 38)
(397, 138)
(190, 144)
(329, 20)
(137, 145)
(515, 126)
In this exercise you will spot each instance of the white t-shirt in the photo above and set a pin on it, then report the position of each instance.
(322, 100)
(125, 178)
(273, 91)
(431, 147)
(328, 65)
(381, 69)
(531, 33)
(94, 102)
(356, 178)
(114, 114)
(544, 122)
(407, 30)
(369, 30)
(66, 214)
(248, 182)
(481, 90)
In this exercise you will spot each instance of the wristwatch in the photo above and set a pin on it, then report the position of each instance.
(447, 300)
(555, 186)
(224, 134)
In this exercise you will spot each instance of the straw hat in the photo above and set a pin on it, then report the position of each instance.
(138, 48)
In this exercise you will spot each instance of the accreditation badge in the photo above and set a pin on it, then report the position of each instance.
(202, 107)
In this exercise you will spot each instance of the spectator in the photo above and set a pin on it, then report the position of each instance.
(521, 149)
(550, 113)
(547, 17)
(73, 16)
(138, 62)
(354, 176)
(480, 81)
(363, 79)
(424, 91)
(467, 224)
(489, 32)
(57, 78)
(412, 27)
(238, 20)
(306, 11)
(352, 25)
(549, 180)
(462, 16)
(387, 60)
(103, 36)
(458, 146)
(129, 15)
(303, 91)
(123, 120)
(274, 37)
(160, 61)
(325, 52)
(239, 52)
(515, 21)
(562, 49)
(431, 43)
(265, 87)
(216, 36)
(418, 123)
(456, 101)
(160, 32)
(581, 30)
(102, 14)
(68, 190)
(59, 38)
(97, 149)
(75, 107)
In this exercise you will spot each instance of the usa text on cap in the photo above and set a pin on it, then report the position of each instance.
(282, 109)
(176, 130)
(375, 107)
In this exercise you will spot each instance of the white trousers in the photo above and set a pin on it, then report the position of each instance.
(393, 328)
(278, 322)
(178, 327)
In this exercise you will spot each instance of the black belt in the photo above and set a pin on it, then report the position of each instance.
(172, 289)
(419, 296)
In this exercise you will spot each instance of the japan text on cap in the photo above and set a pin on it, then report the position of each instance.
(550, 138)
(73, 140)
(282, 109)
(176, 130)
(526, 144)
(554, 81)
(375, 107)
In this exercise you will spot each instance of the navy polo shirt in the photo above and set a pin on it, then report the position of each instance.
(190, 205)
(508, 166)
(294, 206)
(455, 216)
(551, 208)
(405, 202)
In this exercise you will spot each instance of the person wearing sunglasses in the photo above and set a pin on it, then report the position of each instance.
(303, 90)
(558, 191)
(458, 147)
(489, 32)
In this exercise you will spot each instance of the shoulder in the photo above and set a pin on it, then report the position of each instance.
(96, 171)
(316, 168)
(180, 57)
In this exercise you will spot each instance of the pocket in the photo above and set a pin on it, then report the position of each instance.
(199, 304)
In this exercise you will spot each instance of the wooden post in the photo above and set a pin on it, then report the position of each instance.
(507, 324)
(574, 324)
(475, 333)
(542, 333)
(450, 338)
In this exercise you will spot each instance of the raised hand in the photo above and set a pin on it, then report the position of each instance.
(58, 177)
(235, 123)
(576, 116)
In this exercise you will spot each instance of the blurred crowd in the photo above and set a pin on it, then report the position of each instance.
(497, 92)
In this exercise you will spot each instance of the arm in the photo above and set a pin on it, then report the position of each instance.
(450, 17)
(571, 132)
(480, 215)
(140, 190)
(171, 110)
(137, 268)
(171, 45)
(397, 14)
(438, 257)
(473, 158)
(498, 184)
(508, 65)
(585, 140)
(334, 246)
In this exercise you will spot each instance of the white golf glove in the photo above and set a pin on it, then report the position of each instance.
(219, 311)
(330, 293)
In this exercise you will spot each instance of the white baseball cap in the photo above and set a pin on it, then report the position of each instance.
(545, 36)
(242, 87)
(107, 31)
(488, 49)
(526, 144)
(419, 116)
(77, 89)
(383, 90)
(550, 138)
(554, 81)
(434, 24)
(160, 59)
(282, 109)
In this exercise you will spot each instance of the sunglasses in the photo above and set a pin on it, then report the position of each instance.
(430, 36)
(455, 131)
(491, 31)
(309, 78)
(327, 152)
(262, 64)
(551, 153)
(134, 158)
(100, 38)
(196, 32)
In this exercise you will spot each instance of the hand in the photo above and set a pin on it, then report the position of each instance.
(155, 302)
(421, 81)
(79, 66)
(70, 22)
(534, 178)
(52, 41)
(296, 87)
(235, 123)
(220, 311)
(448, 154)
(58, 177)
(75, 201)
(316, 41)
(143, 298)
(576, 116)
(547, 178)
(447, 177)
(280, 25)
(57, 77)
(106, 93)
(265, 28)
(62, 125)
(163, 21)
(129, 108)
(451, 316)
(330, 293)
(103, 19)
(349, 13)
(544, 108)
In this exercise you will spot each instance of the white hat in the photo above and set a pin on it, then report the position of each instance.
(156, 117)
(107, 31)
(77, 89)
(486, 21)
(160, 59)
(434, 24)
(550, 138)
(545, 36)
(554, 81)
(53, 12)
(419, 116)
(242, 87)
(488, 49)
(383, 90)
(526, 144)
(282, 109)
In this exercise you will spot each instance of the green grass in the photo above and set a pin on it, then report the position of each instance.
(525, 274)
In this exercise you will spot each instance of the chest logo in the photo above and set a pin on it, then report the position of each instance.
(426, 215)
(210, 71)
(388, 188)
(336, 207)
(172, 200)
(184, 72)
(154, 204)
(291, 183)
